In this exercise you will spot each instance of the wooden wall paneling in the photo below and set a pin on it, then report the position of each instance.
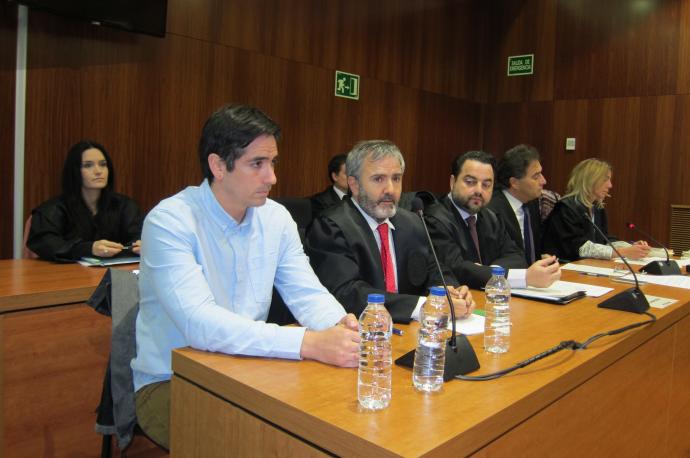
(678, 175)
(656, 160)
(509, 124)
(570, 119)
(683, 73)
(8, 58)
(523, 27)
(120, 101)
(305, 103)
(53, 106)
(619, 144)
(425, 44)
(616, 48)
(448, 127)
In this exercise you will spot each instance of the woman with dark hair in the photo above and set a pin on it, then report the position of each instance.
(88, 218)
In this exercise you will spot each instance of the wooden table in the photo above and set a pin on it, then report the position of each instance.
(53, 354)
(627, 395)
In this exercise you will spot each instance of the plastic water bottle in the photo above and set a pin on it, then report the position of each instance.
(497, 319)
(375, 357)
(430, 356)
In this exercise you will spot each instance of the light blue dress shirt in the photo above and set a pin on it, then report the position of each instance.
(206, 282)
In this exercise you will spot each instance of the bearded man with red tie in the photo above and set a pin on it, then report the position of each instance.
(367, 244)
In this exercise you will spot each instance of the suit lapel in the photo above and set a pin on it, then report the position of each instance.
(370, 251)
(462, 232)
(509, 216)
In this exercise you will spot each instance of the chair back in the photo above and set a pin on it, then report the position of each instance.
(118, 296)
(300, 210)
(26, 252)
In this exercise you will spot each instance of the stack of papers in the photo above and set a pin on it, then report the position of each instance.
(561, 291)
(104, 262)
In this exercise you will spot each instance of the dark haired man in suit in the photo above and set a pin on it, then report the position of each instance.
(332, 195)
(469, 238)
(370, 245)
(519, 182)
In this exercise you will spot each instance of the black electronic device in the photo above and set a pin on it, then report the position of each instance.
(142, 16)
(630, 300)
(668, 267)
(460, 356)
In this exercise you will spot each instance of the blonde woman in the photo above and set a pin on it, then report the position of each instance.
(568, 233)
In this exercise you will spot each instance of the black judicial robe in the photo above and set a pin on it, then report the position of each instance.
(57, 235)
(500, 205)
(455, 248)
(343, 251)
(568, 228)
(323, 200)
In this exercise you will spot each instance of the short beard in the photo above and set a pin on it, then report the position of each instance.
(465, 204)
(372, 209)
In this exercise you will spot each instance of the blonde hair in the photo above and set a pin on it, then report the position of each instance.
(584, 178)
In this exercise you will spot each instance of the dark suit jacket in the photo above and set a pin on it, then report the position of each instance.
(343, 251)
(500, 205)
(568, 228)
(455, 248)
(321, 201)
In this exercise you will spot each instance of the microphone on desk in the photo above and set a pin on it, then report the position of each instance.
(460, 356)
(630, 300)
(668, 267)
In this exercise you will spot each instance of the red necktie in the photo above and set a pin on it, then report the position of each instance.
(386, 260)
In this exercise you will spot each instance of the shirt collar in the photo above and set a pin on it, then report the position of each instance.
(218, 214)
(339, 192)
(463, 213)
(373, 224)
(514, 202)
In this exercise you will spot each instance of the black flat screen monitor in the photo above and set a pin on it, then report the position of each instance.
(143, 16)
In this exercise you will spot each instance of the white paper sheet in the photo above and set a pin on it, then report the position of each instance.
(563, 288)
(473, 324)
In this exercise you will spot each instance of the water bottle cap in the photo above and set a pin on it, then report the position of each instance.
(376, 298)
(437, 291)
(498, 270)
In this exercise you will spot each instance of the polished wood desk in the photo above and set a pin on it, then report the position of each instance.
(626, 395)
(53, 354)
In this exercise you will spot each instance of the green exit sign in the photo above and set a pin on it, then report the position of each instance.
(346, 85)
(521, 65)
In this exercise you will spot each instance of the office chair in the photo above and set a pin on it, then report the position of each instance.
(117, 296)
(26, 252)
(300, 210)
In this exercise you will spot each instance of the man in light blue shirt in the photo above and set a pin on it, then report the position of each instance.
(212, 255)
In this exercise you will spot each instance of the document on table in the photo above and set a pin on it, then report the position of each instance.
(104, 262)
(603, 271)
(473, 324)
(659, 302)
(561, 289)
(677, 281)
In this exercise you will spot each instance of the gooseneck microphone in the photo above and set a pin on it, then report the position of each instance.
(668, 267)
(460, 356)
(630, 300)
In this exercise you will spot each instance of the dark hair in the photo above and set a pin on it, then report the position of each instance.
(71, 171)
(514, 164)
(72, 182)
(481, 156)
(334, 165)
(229, 130)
